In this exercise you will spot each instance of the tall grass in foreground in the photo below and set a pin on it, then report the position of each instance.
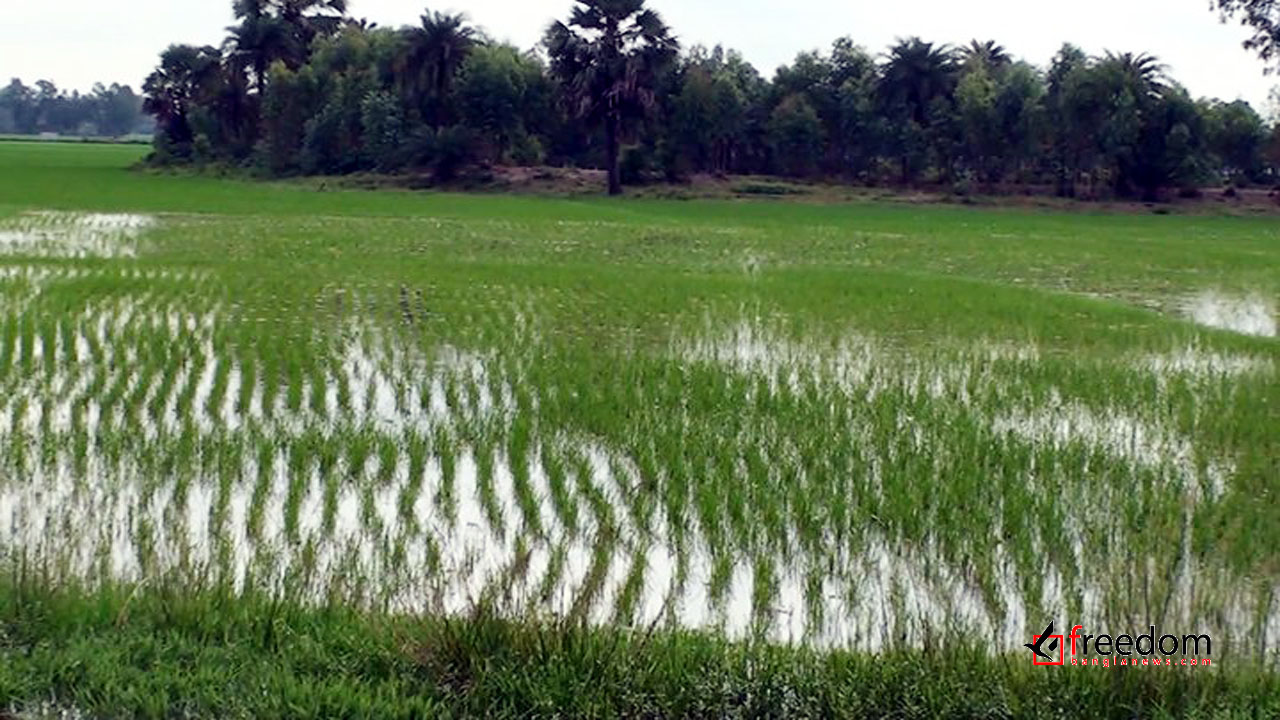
(148, 652)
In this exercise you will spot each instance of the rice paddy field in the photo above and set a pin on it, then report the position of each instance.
(271, 450)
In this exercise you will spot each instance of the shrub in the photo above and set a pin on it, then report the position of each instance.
(637, 165)
(527, 150)
(453, 149)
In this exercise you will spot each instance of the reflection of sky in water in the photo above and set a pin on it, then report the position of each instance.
(72, 235)
(398, 542)
(1249, 315)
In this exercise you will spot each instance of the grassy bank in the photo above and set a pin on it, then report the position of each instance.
(163, 653)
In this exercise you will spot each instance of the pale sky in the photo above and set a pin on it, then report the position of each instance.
(77, 42)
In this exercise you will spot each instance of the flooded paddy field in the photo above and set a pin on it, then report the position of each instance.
(855, 429)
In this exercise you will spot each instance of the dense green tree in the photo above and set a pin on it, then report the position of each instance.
(384, 130)
(1020, 114)
(796, 135)
(838, 87)
(810, 76)
(983, 141)
(718, 117)
(862, 129)
(1238, 136)
(286, 106)
(608, 57)
(695, 120)
(1271, 153)
(495, 92)
(333, 139)
(347, 70)
(1172, 145)
(710, 113)
(854, 132)
(1076, 108)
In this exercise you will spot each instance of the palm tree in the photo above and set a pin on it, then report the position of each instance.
(1124, 98)
(433, 54)
(608, 58)
(188, 77)
(271, 30)
(260, 39)
(917, 79)
(989, 55)
(1141, 73)
(915, 74)
(309, 19)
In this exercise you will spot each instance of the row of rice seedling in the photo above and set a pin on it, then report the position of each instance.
(550, 448)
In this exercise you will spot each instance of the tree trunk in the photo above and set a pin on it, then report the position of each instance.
(611, 131)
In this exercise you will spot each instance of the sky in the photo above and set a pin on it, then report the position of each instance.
(78, 42)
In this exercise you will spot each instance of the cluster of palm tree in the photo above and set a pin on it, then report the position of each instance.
(300, 87)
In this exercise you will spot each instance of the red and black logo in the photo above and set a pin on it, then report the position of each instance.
(1037, 646)
(1142, 649)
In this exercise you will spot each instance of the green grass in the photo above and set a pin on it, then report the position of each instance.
(166, 653)
(268, 451)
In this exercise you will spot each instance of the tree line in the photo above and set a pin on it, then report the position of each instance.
(300, 87)
(113, 111)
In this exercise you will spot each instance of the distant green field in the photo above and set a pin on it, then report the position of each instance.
(268, 449)
(96, 139)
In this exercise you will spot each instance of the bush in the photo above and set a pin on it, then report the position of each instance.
(167, 152)
(202, 149)
(637, 165)
(675, 165)
(453, 149)
(963, 187)
(527, 151)
(444, 152)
